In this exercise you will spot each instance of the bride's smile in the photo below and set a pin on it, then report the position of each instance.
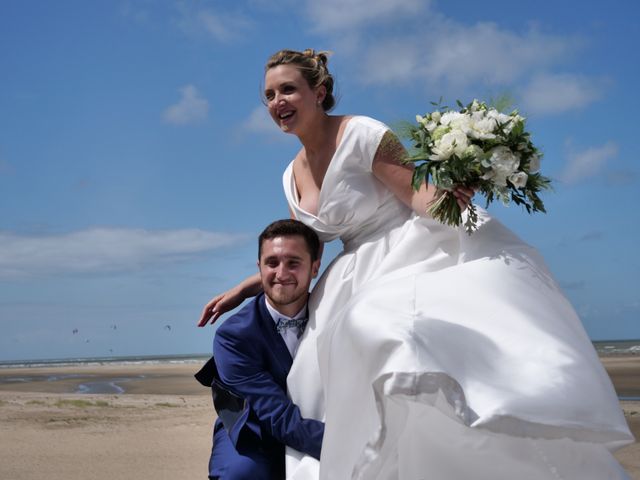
(292, 103)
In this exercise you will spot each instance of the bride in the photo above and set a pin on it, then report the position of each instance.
(430, 354)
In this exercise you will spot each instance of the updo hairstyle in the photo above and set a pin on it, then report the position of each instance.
(312, 66)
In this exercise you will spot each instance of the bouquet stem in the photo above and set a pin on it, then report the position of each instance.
(445, 209)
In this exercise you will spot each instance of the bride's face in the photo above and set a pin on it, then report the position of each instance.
(292, 103)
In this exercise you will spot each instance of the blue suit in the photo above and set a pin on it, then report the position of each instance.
(256, 419)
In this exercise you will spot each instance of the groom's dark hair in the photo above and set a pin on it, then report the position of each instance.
(289, 228)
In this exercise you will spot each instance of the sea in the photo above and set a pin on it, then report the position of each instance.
(617, 347)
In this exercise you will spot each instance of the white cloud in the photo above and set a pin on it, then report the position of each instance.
(587, 163)
(190, 109)
(446, 52)
(222, 26)
(101, 250)
(259, 121)
(449, 57)
(392, 61)
(137, 11)
(557, 93)
(344, 15)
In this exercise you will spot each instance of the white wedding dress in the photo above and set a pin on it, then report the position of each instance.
(432, 354)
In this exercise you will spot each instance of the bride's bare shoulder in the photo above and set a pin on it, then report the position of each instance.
(343, 120)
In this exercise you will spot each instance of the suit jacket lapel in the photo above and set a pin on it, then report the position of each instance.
(275, 340)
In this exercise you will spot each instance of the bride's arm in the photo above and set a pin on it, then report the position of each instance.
(388, 167)
(249, 287)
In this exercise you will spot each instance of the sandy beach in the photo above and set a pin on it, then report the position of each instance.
(159, 428)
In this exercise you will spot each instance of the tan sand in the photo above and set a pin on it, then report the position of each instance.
(629, 456)
(624, 372)
(100, 437)
(162, 431)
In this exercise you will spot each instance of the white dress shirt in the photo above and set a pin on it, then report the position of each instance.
(289, 336)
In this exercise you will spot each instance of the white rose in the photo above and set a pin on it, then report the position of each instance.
(483, 129)
(448, 117)
(534, 163)
(502, 157)
(456, 120)
(501, 119)
(436, 116)
(503, 163)
(454, 142)
(519, 179)
(477, 116)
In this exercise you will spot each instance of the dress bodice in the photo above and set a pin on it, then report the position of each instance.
(353, 204)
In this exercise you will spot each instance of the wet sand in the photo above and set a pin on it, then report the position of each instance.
(159, 428)
(155, 379)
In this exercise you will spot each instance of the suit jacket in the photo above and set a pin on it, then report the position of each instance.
(248, 377)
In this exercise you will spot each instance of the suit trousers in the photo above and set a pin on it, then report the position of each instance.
(227, 463)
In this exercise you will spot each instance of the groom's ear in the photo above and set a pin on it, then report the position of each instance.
(315, 268)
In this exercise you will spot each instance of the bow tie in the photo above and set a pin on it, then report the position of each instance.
(284, 324)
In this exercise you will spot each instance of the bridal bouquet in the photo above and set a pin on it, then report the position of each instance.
(479, 147)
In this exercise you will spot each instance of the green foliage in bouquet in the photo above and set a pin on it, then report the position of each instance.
(479, 147)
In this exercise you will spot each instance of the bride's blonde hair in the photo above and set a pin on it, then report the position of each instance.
(313, 67)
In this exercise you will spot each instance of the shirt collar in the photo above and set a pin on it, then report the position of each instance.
(275, 314)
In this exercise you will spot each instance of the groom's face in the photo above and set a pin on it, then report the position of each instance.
(286, 271)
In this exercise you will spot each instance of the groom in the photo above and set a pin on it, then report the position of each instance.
(252, 354)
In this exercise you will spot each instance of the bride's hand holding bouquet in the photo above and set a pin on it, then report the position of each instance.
(478, 147)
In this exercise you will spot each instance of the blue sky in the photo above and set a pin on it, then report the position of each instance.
(137, 164)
